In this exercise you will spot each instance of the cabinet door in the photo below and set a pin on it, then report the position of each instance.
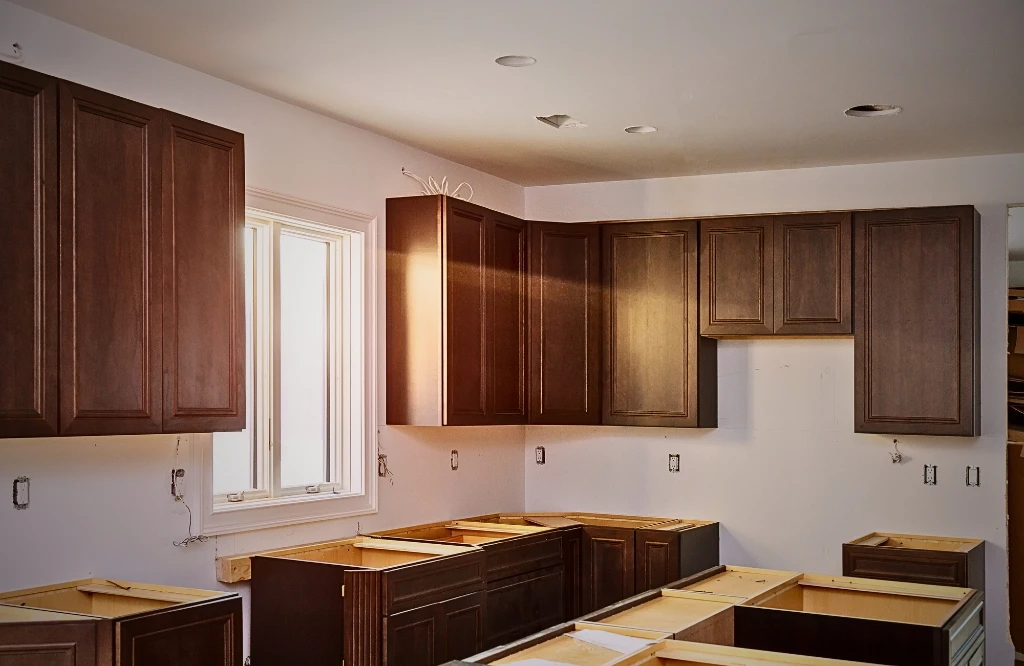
(203, 633)
(204, 278)
(461, 626)
(607, 566)
(49, 644)
(466, 343)
(110, 306)
(521, 605)
(572, 562)
(736, 276)
(916, 322)
(29, 278)
(565, 326)
(657, 559)
(812, 274)
(657, 369)
(507, 320)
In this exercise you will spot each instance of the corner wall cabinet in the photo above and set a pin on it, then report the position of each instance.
(916, 354)
(138, 308)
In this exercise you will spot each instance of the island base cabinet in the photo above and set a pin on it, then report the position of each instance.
(436, 633)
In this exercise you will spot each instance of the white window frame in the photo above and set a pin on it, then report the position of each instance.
(353, 398)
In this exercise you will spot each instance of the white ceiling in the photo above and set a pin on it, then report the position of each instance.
(733, 85)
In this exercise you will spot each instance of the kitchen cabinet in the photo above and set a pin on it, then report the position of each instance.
(203, 278)
(565, 323)
(124, 284)
(916, 349)
(917, 559)
(608, 565)
(456, 314)
(657, 369)
(778, 275)
(363, 600)
(29, 278)
(110, 264)
(102, 623)
(557, 645)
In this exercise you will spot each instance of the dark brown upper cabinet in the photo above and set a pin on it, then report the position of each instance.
(121, 265)
(29, 229)
(456, 314)
(813, 293)
(781, 275)
(203, 278)
(916, 349)
(657, 369)
(737, 279)
(110, 264)
(565, 323)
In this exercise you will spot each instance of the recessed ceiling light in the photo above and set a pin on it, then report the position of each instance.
(562, 121)
(516, 61)
(872, 110)
(641, 129)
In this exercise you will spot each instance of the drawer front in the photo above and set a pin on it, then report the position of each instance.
(432, 581)
(905, 565)
(520, 606)
(523, 555)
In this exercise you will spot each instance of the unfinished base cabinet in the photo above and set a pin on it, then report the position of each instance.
(917, 317)
(106, 623)
(348, 601)
(917, 559)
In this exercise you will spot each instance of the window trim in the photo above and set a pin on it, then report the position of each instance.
(361, 478)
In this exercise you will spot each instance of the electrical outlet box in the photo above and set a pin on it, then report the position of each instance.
(178, 483)
(540, 455)
(673, 462)
(973, 476)
(931, 475)
(21, 492)
(455, 459)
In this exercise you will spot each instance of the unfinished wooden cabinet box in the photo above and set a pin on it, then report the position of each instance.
(100, 622)
(776, 275)
(917, 317)
(456, 314)
(524, 571)
(917, 559)
(365, 601)
(884, 622)
(558, 645)
(657, 370)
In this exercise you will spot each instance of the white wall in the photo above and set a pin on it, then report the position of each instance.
(101, 506)
(784, 472)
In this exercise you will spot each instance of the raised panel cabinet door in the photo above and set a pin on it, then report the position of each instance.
(916, 321)
(656, 562)
(204, 278)
(29, 278)
(654, 356)
(607, 566)
(206, 634)
(461, 625)
(813, 274)
(507, 321)
(413, 638)
(49, 644)
(466, 329)
(736, 276)
(521, 605)
(565, 324)
(110, 305)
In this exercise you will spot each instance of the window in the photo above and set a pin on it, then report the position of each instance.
(309, 371)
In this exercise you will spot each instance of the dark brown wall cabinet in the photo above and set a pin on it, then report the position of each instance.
(100, 623)
(456, 314)
(565, 323)
(657, 370)
(781, 275)
(916, 355)
(148, 267)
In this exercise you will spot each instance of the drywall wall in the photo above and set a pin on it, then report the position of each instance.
(101, 506)
(1015, 247)
(784, 472)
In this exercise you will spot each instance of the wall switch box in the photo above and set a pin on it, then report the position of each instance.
(973, 476)
(21, 493)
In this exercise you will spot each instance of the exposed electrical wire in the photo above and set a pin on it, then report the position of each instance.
(382, 468)
(192, 538)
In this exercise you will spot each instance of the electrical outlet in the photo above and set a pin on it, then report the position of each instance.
(178, 483)
(673, 462)
(540, 455)
(455, 459)
(21, 493)
(973, 476)
(931, 475)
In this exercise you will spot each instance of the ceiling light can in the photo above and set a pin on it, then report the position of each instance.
(872, 110)
(515, 61)
(641, 129)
